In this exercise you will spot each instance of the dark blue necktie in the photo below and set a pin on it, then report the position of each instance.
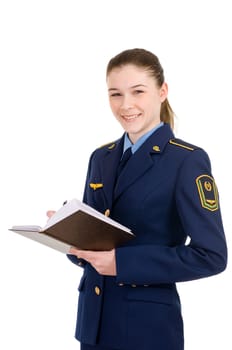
(126, 155)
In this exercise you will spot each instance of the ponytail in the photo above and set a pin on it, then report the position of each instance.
(167, 114)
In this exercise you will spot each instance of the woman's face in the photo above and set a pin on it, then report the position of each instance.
(135, 99)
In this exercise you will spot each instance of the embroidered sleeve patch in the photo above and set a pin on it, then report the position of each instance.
(208, 192)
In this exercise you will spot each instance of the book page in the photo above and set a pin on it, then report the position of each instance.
(32, 233)
(31, 228)
(73, 206)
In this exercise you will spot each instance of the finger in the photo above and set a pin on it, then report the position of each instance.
(50, 213)
(88, 255)
(73, 251)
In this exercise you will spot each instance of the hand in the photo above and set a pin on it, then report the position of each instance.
(50, 213)
(103, 261)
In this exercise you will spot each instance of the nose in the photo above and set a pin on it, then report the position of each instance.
(127, 102)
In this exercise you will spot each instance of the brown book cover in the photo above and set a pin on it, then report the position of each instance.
(76, 224)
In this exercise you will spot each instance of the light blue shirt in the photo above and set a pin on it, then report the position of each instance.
(141, 140)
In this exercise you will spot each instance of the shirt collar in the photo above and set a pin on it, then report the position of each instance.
(141, 140)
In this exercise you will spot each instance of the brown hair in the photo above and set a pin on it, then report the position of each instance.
(149, 61)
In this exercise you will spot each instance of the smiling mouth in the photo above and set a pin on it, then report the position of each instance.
(131, 117)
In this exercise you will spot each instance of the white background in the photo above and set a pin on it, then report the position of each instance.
(54, 112)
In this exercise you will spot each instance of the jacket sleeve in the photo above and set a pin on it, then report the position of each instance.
(197, 203)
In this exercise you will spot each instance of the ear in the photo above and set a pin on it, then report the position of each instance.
(164, 92)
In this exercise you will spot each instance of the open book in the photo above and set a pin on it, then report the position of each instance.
(77, 225)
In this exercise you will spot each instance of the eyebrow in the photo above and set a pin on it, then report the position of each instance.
(132, 87)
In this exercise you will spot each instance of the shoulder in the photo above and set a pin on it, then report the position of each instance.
(192, 160)
(105, 148)
(179, 144)
(108, 146)
(185, 151)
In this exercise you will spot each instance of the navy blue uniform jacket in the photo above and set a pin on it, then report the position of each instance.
(165, 194)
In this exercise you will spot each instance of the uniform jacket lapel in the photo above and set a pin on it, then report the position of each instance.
(109, 169)
(143, 159)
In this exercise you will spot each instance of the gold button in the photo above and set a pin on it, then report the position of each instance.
(97, 290)
(133, 285)
(121, 284)
(107, 212)
(156, 148)
(80, 263)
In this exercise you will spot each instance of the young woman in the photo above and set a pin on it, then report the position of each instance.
(165, 193)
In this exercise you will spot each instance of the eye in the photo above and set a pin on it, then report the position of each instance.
(115, 94)
(137, 92)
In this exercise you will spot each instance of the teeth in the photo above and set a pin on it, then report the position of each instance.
(128, 117)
